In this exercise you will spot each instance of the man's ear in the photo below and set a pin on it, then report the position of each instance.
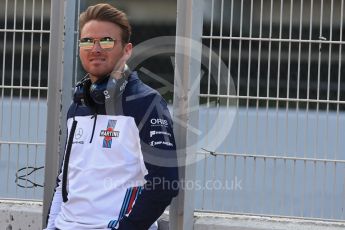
(128, 51)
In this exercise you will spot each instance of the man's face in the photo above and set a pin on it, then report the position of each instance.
(99, 62)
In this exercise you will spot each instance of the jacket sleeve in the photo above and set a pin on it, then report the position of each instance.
(55, 204)
(159, 152)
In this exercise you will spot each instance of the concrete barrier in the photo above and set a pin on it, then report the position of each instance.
(208, 221)
(27, 215)
(215, 221)
(20, 215)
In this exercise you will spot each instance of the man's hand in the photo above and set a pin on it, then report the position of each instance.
(120, 65)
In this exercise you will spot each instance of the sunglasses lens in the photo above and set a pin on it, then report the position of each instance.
(106, 43)
(86, 43)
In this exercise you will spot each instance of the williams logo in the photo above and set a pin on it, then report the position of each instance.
(109, 133)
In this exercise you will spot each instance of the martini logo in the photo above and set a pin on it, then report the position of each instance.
(109, 133)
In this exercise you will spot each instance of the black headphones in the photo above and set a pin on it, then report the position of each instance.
(91, 94)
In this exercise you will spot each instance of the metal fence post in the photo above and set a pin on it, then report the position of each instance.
(69, 62)
(55, 72)
(187, 73)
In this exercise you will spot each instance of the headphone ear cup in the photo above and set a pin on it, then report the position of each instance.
(87, 97)
(82, 93)
(97, 91)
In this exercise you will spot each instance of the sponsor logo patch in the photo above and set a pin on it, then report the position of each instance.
(158, 122)
(154, 143)
(153, 132)
(77, 136)
(78, 142)
(78, 133)
(109, 133)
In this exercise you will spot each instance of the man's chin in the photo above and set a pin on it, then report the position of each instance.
(95, 76)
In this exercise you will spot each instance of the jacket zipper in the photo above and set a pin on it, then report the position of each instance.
(94, 125)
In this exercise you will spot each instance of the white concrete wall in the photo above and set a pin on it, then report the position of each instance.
(241, 222)
(20, 215)
(212, 221)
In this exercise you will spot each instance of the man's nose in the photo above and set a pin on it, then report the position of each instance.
(96, 47)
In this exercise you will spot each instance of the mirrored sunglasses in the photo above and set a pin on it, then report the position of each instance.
(105, 43)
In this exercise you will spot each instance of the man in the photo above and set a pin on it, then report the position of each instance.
(110, 177)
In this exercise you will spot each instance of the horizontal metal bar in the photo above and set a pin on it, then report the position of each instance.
(21, 143)
(272, 98)
(25, 31)
(271, 157)
(284, 55)
(23, 87)
(21, 201)
(274, 40)
(267, 215)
